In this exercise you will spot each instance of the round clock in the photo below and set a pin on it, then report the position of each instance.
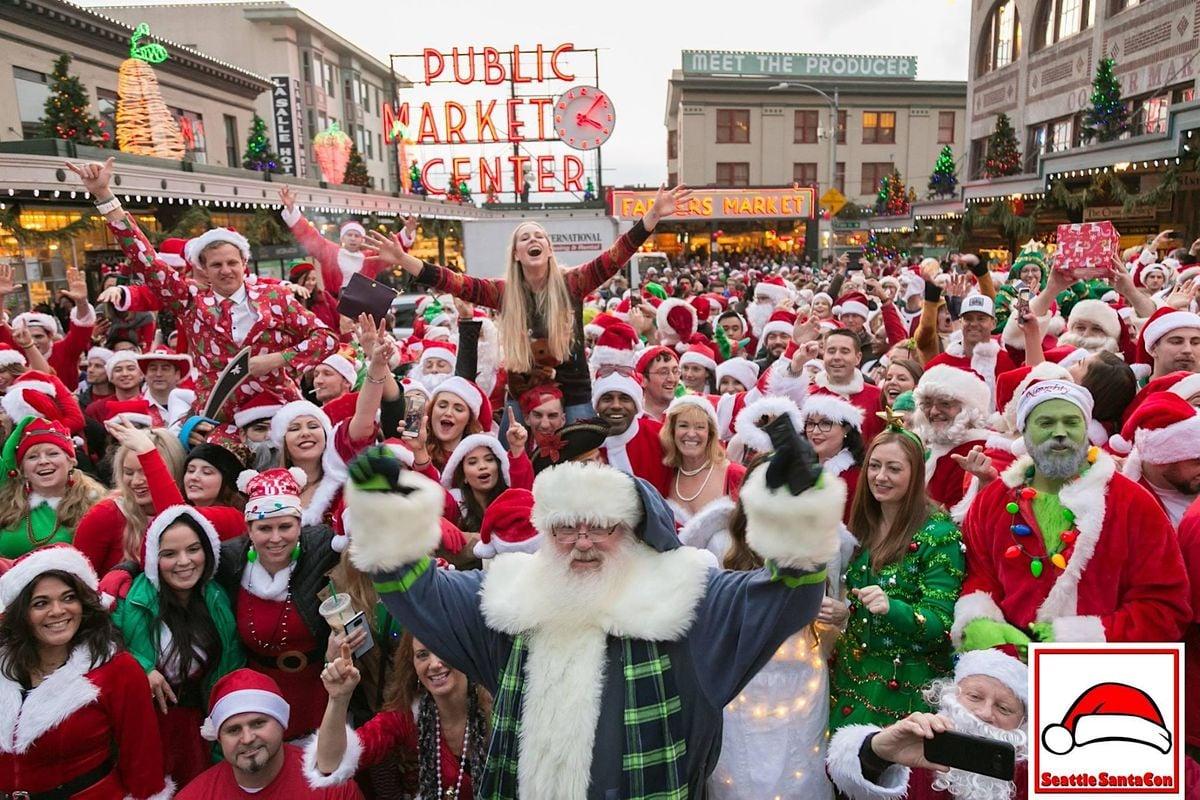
(584, 117)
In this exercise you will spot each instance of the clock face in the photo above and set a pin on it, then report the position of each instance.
(584, 117)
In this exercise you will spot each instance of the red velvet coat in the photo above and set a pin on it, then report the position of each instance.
(945, 480)
(1189, 544)
(639, 452)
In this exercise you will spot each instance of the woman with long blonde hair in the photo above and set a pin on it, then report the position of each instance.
(541, 323)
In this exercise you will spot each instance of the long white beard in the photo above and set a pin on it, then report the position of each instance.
(952, 435)
(969, 785)
(582, 593)
(431, 382)
(1093, 344)
(758, 315)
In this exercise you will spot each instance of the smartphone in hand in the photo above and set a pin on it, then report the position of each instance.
(972, 754)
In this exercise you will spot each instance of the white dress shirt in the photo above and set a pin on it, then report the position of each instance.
(243, 314)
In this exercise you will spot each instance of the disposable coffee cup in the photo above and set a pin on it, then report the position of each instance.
(337, 611)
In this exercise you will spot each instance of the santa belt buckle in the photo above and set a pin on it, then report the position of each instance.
(292, 661)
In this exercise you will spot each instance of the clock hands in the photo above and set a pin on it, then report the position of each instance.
(595, 105)
(584, 119)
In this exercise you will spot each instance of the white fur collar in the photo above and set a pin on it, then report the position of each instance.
(657, 600)
(841, 462)
(1087, 498)
(59, 696)
(262, 584)
(321, 499)
(36, 500)
(845, 390)
(614, 447)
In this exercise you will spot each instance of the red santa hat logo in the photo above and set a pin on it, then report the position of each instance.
(1109, 712)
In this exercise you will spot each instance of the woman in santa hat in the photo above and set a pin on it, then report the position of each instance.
(833, 427)
(457, 409)
(75, 710)
(691, 443)
(434, 719)
(323, 305)
(479, 469)
(43, 495)
(179, 625)
(274, 575)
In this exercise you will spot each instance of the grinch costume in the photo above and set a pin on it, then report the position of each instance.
(883, 660)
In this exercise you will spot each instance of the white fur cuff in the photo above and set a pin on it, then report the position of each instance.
(781, 383)
(291, 215)
(1079, 629)
(167, 792)
(800, 532)
(970, 607)
(345, 769)
(391, 529)
(845, 768)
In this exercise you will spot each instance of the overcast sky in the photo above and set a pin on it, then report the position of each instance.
(641, 43)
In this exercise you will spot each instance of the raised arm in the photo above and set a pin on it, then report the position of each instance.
(379, 381)
(316, 245)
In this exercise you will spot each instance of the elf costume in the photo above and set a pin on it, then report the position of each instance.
(882, 661)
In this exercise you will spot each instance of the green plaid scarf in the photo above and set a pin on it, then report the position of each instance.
(654, 744)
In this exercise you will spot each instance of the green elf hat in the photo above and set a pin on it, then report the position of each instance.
(8, 457)
(1032, 252)
(655, 289)
(905, 401)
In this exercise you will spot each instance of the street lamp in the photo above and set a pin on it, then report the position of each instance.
(833, 128)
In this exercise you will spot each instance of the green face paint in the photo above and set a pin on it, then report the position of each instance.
(1056, 418)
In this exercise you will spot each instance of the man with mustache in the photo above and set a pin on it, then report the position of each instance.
(952, 407)
(1170, 340)
(987, 697)
(613, 645)
(1063, 548)
(1094, 326)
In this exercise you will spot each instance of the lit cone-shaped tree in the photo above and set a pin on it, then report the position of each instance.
(1108, 117)
(1003, 158)
(331, 148)
(259, 155)
(144, 124)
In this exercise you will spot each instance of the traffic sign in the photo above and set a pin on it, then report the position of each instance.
(833, 200)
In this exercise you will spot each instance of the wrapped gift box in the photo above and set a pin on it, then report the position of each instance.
(1086, 249)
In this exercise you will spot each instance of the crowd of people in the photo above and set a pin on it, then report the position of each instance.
(742, 530)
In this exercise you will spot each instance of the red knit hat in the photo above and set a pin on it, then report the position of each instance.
(537, 396)
(1164, 429)
(1160, 323)
(45, 431)
(244, 691)
(273, 492)
(1108, 712)
(648, 355)
(136, 411)
(506, 527)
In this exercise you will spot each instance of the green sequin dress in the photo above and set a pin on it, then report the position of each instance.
(868, 685)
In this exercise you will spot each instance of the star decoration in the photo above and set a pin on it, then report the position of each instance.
(890, 418)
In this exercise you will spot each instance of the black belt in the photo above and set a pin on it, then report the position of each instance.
(68, 789)
(287, 661)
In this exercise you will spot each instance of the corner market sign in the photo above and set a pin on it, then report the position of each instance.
(797, 65)
(724, 204)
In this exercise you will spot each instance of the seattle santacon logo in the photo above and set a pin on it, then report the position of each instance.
(1109, 712)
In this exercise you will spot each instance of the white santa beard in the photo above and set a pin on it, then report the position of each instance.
(952, 435)
(970, 785)
(758, 315)
(431, 382)
(1093, 344)
(583, 592)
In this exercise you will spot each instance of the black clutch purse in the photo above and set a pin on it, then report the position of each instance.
(361, 294)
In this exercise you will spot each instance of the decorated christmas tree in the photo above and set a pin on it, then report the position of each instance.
(1003, 157)
(259, 155)
(414, 178)
(68, 115)
(356, 169)
(1108, 117)
(944, 180)
(892, 199)
(589, 191)
(464, 193)
(452, 195)
(145, 125)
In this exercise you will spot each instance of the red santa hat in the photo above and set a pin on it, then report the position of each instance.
(1160, 323)
(831, 407)
(352, 226)
(341, 408)
(31, 566)
(344, 363)
(34, 394)
(1107, 712)
(781, 321)
(135, 411)
(676, 320)
(446, 351)
(474, 442)
(538, 396)
(37, 319)
(506, 526)
(699, 355)
(1011, 383)
(695, 401)
(742, 370)
(469, 393)
(943, 380)
(852, 303)
(1164, 429)
(1099, 313)
(299, 270)
(273, 492)
(599, 323)
(647, 357)
(261, 405)
(209, 540)
(702, 307)
(616, 346)
(195, 247)
(10, 356)
(121, 357)
(774, 288)
(170, 252)
(995, 664)
(165, 355)
(616, 382)
(244, 691)
(1142, 271)
(45, 431)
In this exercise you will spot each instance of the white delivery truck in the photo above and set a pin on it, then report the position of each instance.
(576, 239)
(640, 262)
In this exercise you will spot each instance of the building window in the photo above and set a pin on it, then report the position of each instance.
(805, 174)
(32, 91)
(879, 127)
(672, 145)
(106, 109)
(946, 127)
(1059, 19)
(841, 133)
(231, 141)
(318, 70)
(1062, 134)
(872, 173)
(839, 177)
(330, 79)
(672, 179)
(379, 146)
(306, 64)
(191, 126)
(733, 173)
(733, 126)
(1120, 5)
(804, 127)
(1001, 43)
(1150, 114)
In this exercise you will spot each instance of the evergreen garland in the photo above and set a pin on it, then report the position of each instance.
(10, 222)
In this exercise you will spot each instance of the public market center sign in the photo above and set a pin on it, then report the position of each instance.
(796, 65)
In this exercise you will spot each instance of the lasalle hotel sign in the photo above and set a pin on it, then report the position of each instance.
(796, 65)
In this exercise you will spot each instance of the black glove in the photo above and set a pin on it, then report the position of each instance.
(794, 461)
(377, 469)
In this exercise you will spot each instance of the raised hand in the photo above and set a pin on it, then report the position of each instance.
(389, 247)
(76, 287)
(666, 202)
(95, 177)
(128, 435)
(23, 337)
(517, 436)
(410, 224)
(7, 286)
(904, 742)
(340, 676)
(1182, 295)
(978, 464)
(873, 599)
(112, 295)
(287, 197)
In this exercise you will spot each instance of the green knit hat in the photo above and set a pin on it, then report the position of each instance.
(905, 401)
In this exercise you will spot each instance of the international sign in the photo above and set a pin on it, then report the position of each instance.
(285, 123)
(724, 204)
(797, 65)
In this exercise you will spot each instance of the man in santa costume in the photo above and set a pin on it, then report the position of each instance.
(1062, 548)
(247, 718)
(768, 294)
(339, 261)
(435, 363)
(976, 350)
(1170, 340)
(841, 354)
(987, 697)
(952, 409)
(698, 369)
(1162, 440)
(613, 645)
(163, 370)
(776, 336)
(125, 374)
(1094, 326)
(633, 445)
(335, 376)
(543, 412)
(95, 381)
